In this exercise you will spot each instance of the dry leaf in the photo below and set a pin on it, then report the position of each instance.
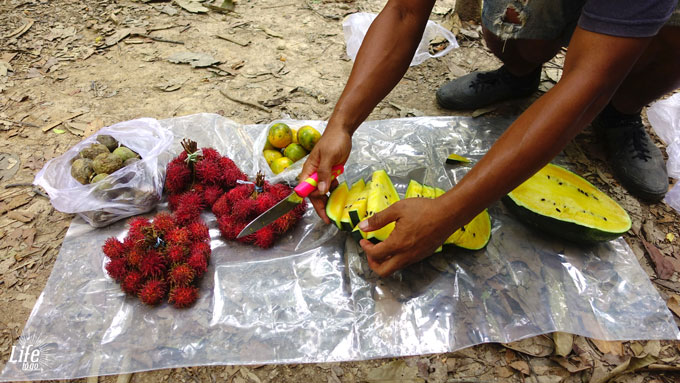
(674, 304)
(521, 366)
(663, 266)
(537, 346)
(191, 6)
(21, 216)
(608, 347)
(563, 343)
(637, 349)
(394, 372)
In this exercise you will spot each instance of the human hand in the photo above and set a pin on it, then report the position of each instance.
(420, 228)
(332, 149)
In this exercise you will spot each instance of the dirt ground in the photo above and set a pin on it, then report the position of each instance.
(68, 68)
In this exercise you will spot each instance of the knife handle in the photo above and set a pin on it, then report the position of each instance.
(309, 185)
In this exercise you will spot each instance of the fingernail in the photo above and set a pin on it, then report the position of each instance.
(363, 225)
(322, 187)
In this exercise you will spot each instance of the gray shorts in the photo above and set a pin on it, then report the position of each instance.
(539, 19)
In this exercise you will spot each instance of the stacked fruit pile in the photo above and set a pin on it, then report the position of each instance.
(160, 258)
(286, 146)
(236, 208)
(97, 161)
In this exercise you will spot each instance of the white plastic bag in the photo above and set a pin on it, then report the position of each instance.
(356, 25)
(664, 116)
(291, 173)
(132, 190)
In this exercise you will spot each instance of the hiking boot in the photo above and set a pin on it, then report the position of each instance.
(636, 161)
(479, 89)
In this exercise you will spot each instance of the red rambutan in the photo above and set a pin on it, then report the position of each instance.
(244, 210)
(299, 210)
(198, 263)
(113, 248)
(284, 223)
(137, 227)
(117, 269)
(264, 201)
(210, 154)
(132, 282)
(183, 296)
(178, 236)
(280, 191)
(226, 163)
(231, 176)
(198, 231)
(237, 228)
(177, 177)
(181, 275)
(163, 223)
(222, 206)
(202, 248)
(153, 264)
(211, 194)
(182, 157)
(152, 292)
(239, 192)
(209, 172)
(189, 209)
(176, 253)
(173, 201)
(265, 237)
(134, 257)
(226, 226)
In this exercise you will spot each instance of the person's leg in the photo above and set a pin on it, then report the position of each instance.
(636, 161)
(523, 38)
(656, 73)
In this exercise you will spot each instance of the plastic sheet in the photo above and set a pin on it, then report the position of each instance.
(312, 298)
(132, 190)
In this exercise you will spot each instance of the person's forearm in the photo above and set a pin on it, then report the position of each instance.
(544, 129)
(382, 60)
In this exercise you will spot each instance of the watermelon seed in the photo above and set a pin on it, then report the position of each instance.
(558, 210)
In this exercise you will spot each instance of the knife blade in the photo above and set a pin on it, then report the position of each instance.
(287, 204)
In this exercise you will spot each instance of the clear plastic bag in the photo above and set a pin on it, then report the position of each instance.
(131, 190)
(260, 164)
(664, 116)
(356, 25)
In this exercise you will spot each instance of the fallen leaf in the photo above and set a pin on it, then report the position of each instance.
(21, 216)
(394, 372)
(637, 349)
(483, 111)
(564, 342)
(663, 266)
(58, 131)
(670, 237)
(573, 365)
(608, 347)
(674, 304)
(521, 366)
(191, 6)
(653, 348)
(536, 346)
(196, 60)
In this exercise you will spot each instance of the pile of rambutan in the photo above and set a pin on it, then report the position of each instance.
(240, 205)
(160, 258)
(196, 179)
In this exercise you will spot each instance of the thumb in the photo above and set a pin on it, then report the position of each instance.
(378, 220)
(324, 173)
